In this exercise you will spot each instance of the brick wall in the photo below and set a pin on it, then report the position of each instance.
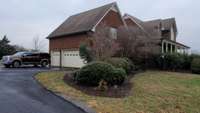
(112, 19)
(67, 42)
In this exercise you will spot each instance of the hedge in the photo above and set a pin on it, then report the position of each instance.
(94, 72)
(195, 66)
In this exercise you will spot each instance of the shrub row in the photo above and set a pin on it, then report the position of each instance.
(178, 61)
(170, 61)
(195, 66)
(94, 72)
(174, 61)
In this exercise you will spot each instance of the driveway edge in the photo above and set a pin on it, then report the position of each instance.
(78, 104)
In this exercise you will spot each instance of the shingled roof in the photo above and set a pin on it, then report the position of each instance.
(145, 25)
(165, 23)
(81, 22)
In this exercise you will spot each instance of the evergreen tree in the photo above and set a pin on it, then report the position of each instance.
(5, 47)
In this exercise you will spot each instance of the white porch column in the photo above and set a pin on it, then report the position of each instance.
(176, 48)
(163, 46)
(166, 47)
(171, 48)
(182, 51)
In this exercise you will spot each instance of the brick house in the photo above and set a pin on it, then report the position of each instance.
(64, 42)
(164, 31)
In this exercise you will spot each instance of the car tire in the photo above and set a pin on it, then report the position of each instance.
(16, 64)
(44, 63)
(7, 66)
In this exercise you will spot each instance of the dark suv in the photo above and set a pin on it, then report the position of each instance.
(26, 58)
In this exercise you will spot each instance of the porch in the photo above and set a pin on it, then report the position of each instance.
(169, 46)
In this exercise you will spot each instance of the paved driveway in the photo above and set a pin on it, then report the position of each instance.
(20, 93)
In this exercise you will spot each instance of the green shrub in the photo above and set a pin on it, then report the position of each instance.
(95, 72)
(85, 53)
(123, 63)
(174, 61)
(195, 66)
(117, 78)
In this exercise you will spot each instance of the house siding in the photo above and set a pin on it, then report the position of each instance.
(129, 22)
(67, 42)
(112, 19)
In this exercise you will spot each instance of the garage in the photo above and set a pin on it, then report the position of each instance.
(55, 58)
(71, 59)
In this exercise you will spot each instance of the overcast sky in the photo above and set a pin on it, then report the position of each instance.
(21, 20)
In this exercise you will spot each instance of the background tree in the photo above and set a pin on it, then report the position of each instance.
(5, 47)
(38, 45)
(136, 43)
(103, 44)
(85, 53)
(20, 48)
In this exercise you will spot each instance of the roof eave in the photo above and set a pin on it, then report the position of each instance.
(69, 34)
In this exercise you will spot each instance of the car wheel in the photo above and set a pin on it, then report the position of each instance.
(16, 64)
(7, 66)
(44, 63)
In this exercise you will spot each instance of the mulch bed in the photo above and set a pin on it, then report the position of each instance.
(119, 92)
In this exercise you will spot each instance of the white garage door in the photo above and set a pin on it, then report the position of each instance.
(71, 59)
(55, 58)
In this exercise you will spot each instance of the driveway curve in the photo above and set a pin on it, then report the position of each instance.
(20, 93)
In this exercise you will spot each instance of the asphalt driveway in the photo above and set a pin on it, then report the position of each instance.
(20, 93)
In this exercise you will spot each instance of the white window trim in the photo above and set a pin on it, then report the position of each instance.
(113, 32)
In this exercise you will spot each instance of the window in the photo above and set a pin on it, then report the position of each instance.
(27, 54)
(113, 33)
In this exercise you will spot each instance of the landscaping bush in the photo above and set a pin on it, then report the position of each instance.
(117, 78)
(195, 66)
(174, 61)
(149, 62)
(94, 72)
(123, 63)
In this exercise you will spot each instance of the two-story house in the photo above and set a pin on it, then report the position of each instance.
(64, 41)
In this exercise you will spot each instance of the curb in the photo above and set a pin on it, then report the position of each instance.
(78, 104)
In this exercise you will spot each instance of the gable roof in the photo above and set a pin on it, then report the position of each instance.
(165, 23)
(138, 22)
(81, 22)
(145, 25)
(133, 18)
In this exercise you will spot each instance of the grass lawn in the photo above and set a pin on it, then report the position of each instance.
(152, 92)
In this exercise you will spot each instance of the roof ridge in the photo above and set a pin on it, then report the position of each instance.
(113, 3)
(94, 15)
(133, 17)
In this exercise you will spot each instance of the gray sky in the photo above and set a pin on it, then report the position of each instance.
(21, 20)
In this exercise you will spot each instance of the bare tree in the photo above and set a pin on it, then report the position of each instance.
(135, 42)
(103, 44)
(38, 45)
(19, 48)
